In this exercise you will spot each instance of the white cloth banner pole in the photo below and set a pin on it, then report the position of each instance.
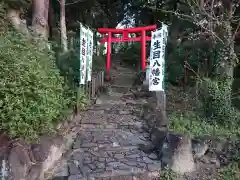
(83, 54)
(157, 59)
(90, 55)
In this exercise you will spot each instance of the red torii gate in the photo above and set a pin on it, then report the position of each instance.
(125, 32)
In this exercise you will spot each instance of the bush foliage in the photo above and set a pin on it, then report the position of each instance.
(131, 54)
(31, 89)
(69, 64)
(216, 101)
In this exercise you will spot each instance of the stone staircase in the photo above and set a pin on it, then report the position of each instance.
(107, 144)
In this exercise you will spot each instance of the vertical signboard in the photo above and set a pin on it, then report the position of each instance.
(157, 59)
(89, 54)
(83, 53)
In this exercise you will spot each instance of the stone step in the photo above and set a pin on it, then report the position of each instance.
(110, 101)
(117, 120)
(98, 107)
(110, 162)
(115, 94)
(123, 104)
(137, 126)
(119, 175)
(119, 87)
(113, 138)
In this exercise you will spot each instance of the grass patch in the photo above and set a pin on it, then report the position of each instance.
(194, 125)
(230, 172)
(168, 174)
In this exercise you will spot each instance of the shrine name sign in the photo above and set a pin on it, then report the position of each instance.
(157, 58)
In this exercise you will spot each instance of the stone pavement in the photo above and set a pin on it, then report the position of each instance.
(106, 146)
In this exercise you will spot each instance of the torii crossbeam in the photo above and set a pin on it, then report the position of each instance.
(108, 32)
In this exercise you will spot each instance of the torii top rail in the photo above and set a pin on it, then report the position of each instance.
(108, 32)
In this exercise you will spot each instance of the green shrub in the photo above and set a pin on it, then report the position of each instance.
(215, 98)
(131, 55)
(231, 171)
(193, 124)
(32, 97)
(174, 63)
(101, 49)
(98, 63)
(69, 64)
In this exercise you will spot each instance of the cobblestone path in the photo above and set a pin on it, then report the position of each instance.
(106, 146)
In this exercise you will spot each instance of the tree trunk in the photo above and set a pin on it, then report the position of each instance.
(228, 56)
(40, 18)
(51, 20)
(229, 59)
(19, 24)
(63, 27)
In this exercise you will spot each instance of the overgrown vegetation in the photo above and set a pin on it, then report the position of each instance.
(194, 125)
(69, 64)
(33, 96)
(216, 102)
(167, 174)
(230, 172)
(131, 54)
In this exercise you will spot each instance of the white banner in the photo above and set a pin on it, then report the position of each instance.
(83, 53)
(157, 59)
(89, 54)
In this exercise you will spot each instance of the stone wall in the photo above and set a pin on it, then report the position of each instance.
(24, 161)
